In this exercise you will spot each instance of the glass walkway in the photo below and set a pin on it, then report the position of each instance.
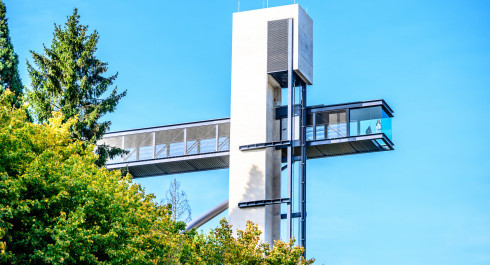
(172, 149)
(333, 130)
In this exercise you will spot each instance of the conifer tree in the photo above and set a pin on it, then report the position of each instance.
(69, 78)
(9, 74)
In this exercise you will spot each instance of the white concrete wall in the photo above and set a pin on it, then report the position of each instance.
(255, 175)
(303, 47)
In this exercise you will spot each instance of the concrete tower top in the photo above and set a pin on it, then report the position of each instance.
(264, 26)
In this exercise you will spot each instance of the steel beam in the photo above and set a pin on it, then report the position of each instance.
(302, 171)
(290, 129)
(263, 202)
(293, 215)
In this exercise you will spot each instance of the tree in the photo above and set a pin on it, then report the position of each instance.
(9, 74)
(69, 79)
(220, 247)
(178, 202)
(58, 207)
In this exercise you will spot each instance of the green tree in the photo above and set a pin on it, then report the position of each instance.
(9, 74)
(69, 78)
(221, 247)
(58, 207)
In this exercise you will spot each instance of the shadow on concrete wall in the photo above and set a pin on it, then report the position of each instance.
(255, 186)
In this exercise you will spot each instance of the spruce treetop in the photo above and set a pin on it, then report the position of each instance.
(70, 79)
(9, 74)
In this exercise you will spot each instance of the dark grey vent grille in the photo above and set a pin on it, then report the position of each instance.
(277, 46)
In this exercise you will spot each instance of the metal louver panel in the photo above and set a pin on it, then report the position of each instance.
(277, 46)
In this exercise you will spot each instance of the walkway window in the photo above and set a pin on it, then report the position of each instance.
(372, 120)
(330, 124)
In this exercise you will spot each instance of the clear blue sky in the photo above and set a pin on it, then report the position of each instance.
(427, 202)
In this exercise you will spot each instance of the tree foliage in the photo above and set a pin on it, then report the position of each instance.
(177, 199)
(9, 73)
(220, 247)
(68, 78)
(58, 207)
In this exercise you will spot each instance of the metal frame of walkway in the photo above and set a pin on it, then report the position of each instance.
(204, 145)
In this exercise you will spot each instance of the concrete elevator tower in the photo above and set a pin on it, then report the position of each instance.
(268, 139)
(272, 50)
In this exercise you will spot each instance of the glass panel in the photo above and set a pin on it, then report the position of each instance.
(309, 133)
(139, 146)
(372, 120)
(223, 143)
(309, 119)
(337, 127)
(162, 151)
(208, 145)
(223, 137)
(385, 125)
(169, 143)
(146, 152)
(117, 159)
(320, 132)
(131, 156)
(331, 124)
(196, 136)
(353, 128)
(192, 147)
(114, 142)
(176, 149)
(284, 96)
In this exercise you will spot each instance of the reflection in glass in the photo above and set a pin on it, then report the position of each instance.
(223, 143)
(176, 149)
(328, 125)
(309, 133)
(145, 152)
(320, 132)
(207, 145)
(131, 156)
(386, 124)
(371, 120)
(336, 125)
(161, 150)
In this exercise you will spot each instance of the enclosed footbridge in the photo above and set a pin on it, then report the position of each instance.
(333, 130)
(172, 149)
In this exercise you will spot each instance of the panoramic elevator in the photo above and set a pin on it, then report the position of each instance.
(271, 133)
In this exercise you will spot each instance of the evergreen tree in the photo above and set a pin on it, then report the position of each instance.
(69, 79)
(9, 74)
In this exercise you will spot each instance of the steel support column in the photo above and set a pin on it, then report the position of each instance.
(290, 128)
(302, 171)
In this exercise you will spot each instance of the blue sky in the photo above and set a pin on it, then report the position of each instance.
(427, 202)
